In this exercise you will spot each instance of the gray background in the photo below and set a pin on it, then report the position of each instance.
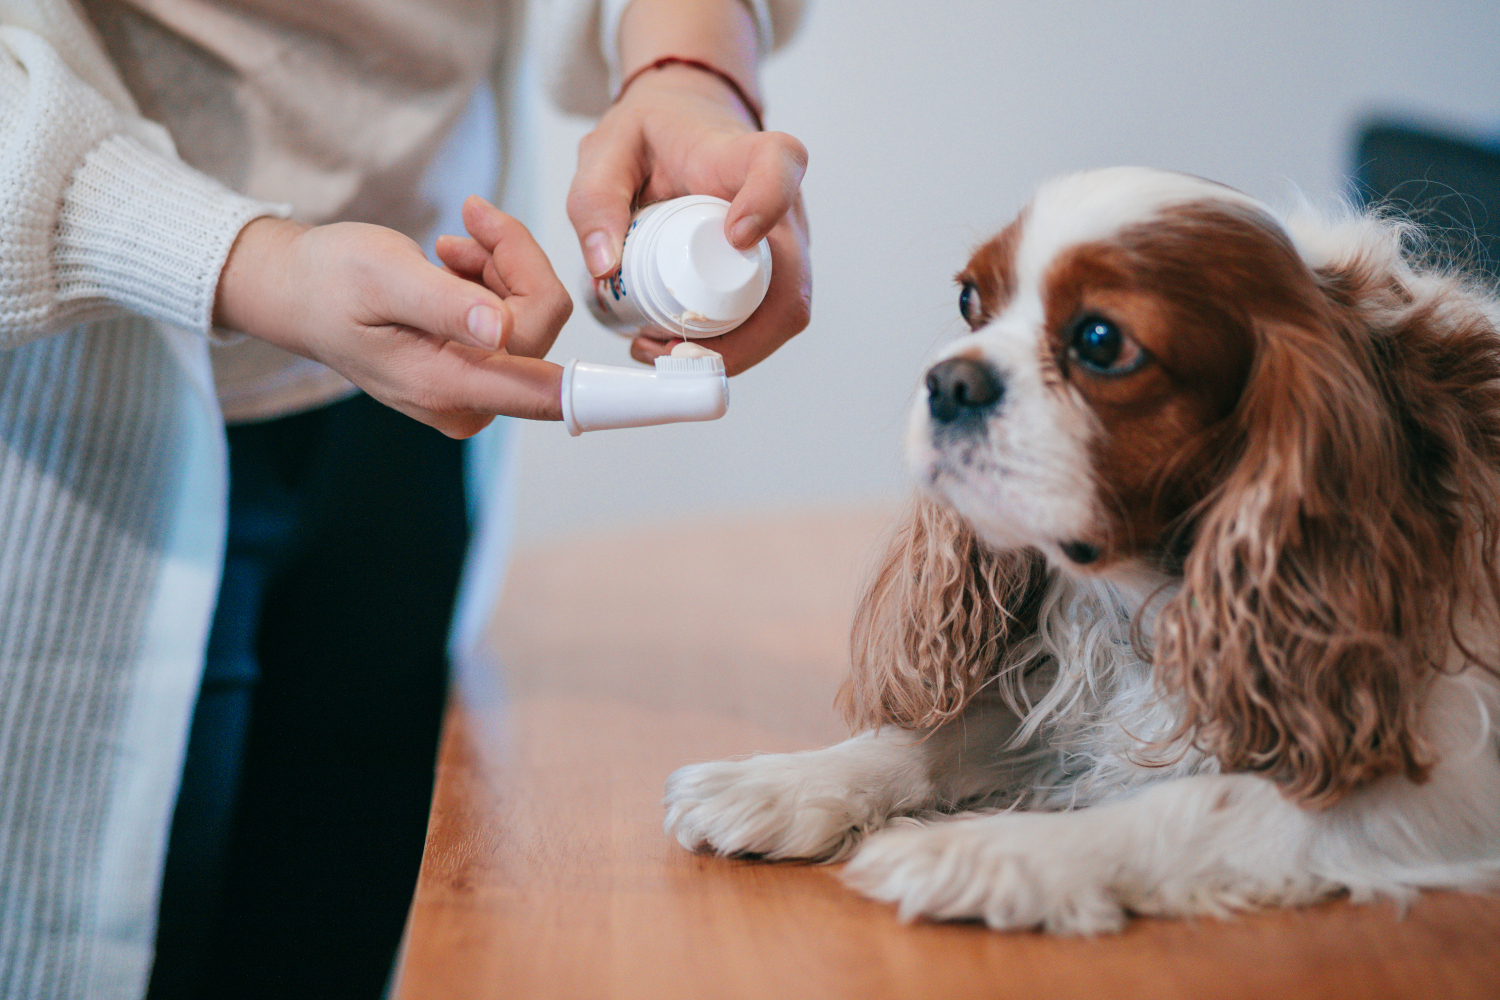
(928, 124)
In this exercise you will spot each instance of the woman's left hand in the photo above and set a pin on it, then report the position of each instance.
(681, 130)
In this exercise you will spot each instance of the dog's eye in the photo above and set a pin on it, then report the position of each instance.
(1099, 346)
(969, 305)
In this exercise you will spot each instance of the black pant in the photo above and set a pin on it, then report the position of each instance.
(300, 823)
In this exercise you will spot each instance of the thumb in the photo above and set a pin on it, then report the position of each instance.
(610, 172)
(428, 298)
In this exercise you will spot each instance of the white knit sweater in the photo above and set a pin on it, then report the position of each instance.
(113, 480)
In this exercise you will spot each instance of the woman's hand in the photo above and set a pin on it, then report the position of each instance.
(450, 347)
(681, 130)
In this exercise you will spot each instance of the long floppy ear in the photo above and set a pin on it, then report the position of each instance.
(1354, 521)
(935, 620)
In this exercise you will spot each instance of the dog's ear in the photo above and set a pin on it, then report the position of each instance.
(1351, 522)
(935, 620)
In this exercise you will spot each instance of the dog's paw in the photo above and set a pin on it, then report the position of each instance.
(1013, 871)
(773, 805)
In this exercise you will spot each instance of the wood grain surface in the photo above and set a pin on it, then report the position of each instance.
(622, 657)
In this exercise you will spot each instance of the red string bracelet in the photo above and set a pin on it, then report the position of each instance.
(729, 81)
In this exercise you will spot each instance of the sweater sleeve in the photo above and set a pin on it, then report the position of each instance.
(92, 219)
(581, 52)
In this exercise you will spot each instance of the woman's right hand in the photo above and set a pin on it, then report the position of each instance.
(452, 347)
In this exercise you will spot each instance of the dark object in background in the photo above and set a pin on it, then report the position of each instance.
(1448, 184)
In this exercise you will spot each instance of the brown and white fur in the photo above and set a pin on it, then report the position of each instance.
(1196, 607)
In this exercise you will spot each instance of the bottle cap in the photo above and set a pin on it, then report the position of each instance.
(711, 280)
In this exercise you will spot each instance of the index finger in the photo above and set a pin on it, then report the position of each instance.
(518, 269)
(529, 388)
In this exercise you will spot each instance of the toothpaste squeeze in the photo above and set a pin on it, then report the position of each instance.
(688, 349)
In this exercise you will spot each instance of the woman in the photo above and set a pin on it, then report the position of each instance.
(275, 213)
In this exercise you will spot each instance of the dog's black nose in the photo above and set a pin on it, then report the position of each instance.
(960, 387)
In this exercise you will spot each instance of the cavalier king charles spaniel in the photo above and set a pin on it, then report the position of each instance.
(1196, 608)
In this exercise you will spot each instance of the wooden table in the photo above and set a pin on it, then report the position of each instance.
(624, 656)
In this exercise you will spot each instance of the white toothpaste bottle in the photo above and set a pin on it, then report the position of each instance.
(680, 274)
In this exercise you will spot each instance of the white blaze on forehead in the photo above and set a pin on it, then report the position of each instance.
(1095, 205)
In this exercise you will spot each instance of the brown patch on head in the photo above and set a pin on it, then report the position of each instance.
(992, 271)
(1188, 288)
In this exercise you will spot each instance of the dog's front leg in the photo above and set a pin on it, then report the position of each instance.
(1210, 843)
(820, 803)
(1203, 844)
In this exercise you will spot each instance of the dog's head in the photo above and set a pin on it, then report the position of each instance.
(1164, 378)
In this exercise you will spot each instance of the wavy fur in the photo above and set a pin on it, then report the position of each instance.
(1356, 522)
(936, 620)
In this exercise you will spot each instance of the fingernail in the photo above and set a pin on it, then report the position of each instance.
(599, 254)
(484, 324)
(742, 233)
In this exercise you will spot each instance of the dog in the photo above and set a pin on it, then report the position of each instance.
(1195, 609)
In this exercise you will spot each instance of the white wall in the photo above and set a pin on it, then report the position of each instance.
(928, 123)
